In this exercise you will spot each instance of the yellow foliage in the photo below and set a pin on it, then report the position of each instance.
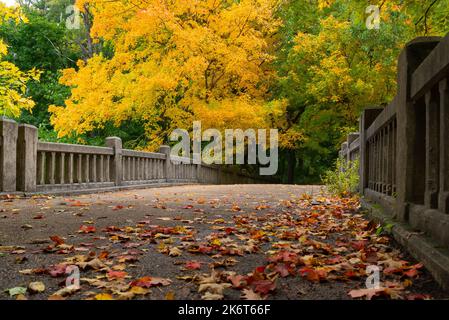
(174, 62)
(338, 73)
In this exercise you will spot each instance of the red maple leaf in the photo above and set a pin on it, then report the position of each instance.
(264, 286)
(57, 239)
(147, 282)
(282, 269)
(57, 270)
(411, 273)
(116, 274)
(285, 256)
(238, 281)
(193, 265)
(359, 245)
(312, 274)
(87, 229)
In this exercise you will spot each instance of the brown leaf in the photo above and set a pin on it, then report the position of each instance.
(216, 288)
(211, 296)
(368, 293)
(66, 291)
(249, 294)
(175, 252)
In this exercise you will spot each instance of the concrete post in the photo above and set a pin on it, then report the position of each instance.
(219, 175)
(8, 154)
(198, 172)
(344, 150)
(410, 133)
(26, 158)
(116, 164)
(432, 150)
(167, 165)
(366, 119)
(443, 201)
(350, 139)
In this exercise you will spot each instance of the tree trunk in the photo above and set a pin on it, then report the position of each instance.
(89, 50)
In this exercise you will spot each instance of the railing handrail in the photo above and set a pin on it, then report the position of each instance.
(143, 154)
(386, 115)
(73, 148)
(431, 70)
(354, 144)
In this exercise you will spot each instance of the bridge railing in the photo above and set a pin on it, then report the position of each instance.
(29, 165)
(140, 167)
(404, 147)
(62, 166)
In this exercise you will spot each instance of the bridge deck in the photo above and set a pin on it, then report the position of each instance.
(320, 233)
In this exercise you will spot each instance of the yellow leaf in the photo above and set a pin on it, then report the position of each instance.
(170, 295)
(139, 290)
(103, 296)
(36, 287)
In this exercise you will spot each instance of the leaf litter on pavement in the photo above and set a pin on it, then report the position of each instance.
(321, 240)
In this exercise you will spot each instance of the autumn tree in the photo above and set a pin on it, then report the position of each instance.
(331, 66)
(173, 62)
(13, 81)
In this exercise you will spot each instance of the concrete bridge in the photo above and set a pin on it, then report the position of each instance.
(225, 234)
(247, 241)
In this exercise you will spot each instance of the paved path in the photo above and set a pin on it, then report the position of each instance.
(250, 241)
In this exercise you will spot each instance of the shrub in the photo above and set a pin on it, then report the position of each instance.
(343, 180)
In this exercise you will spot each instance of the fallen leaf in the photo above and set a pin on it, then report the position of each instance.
(193, 265)
(216, 288)
(113, 275)
(170, 295)
(368, 293)
(174, 252)
(211, 296)
(57, 239)
(139, 290)
(36, 287)
(67, 291)
(248, 294)
(237, 281)
(87, 229)
(147, 282)
(57, 270)
(16, 290)
(103, 296)
(264, 286)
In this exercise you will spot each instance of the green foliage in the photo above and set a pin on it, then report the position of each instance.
(385, 229)
(330, 66)
(40, 44)
(343, 180)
